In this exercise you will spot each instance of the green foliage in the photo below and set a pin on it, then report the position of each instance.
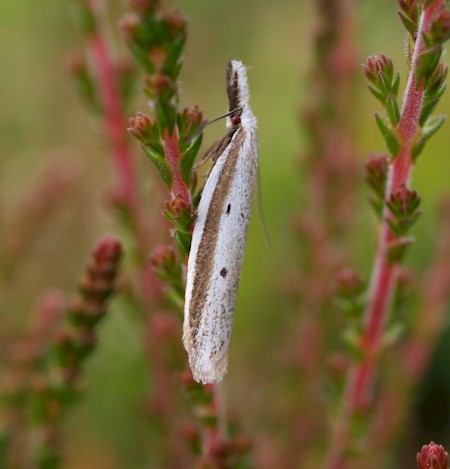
(160, 164)
(390, 137)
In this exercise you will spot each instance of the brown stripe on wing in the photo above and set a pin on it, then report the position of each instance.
(205, 255)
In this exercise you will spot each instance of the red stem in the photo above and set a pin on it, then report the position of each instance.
(124, 164)
(360, 378)
(172, 153)
(115, 122)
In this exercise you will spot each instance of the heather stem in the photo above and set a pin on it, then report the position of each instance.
(116, 123)
(179, 188)
(125, 168)
(358, 389)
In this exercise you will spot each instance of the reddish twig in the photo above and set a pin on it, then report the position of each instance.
(357, 394)
(125, 167)
(179, 189)
(115, 121)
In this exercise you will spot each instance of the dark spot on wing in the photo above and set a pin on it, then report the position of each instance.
(228, 209)
(224, 272)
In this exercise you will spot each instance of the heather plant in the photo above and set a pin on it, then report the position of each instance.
(343, 337)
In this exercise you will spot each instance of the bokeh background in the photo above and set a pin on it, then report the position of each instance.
(43, 122)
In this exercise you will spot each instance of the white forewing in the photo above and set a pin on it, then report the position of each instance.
(218, 244)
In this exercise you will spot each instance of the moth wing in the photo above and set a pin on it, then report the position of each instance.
(208, 344)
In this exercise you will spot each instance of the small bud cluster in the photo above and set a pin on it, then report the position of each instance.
(156, 39)
(58, 384)
(432, 456)
(403, 205)
(385, 83)
(429, 79)
(180, 214)
(170, 138)
(429, 74)
(147, 130)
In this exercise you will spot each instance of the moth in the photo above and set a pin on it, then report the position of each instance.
(219, 237)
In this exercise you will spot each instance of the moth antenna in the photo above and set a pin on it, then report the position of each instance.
(229, 113)
(205, 123)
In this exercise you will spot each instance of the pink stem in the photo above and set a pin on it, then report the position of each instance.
(125, 168)
(172, 153)
(360, 378)
(115, 121)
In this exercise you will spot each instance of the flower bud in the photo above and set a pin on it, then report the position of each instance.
(432, 456)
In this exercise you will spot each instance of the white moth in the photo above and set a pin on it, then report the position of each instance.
(219, 237)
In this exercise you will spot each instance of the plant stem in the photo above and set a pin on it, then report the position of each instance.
(125, 167)
(173, 156)
(360, 378)
(115, 121)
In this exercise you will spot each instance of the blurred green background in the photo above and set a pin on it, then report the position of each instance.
(42, 120)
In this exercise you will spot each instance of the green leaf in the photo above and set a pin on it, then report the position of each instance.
(392, 109)
(427, 63)
(397, 250)
(160, 164)
(156, 147)
(141, 56)
(410, 26)
(430, 128)
(377, 205)
(389, 135)
(427, 108)
(183, 242)
(196, 198)
(171, 64)
(433, 125)
(188, 158)
(166, 115)
(378, 94)
(395, 85)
